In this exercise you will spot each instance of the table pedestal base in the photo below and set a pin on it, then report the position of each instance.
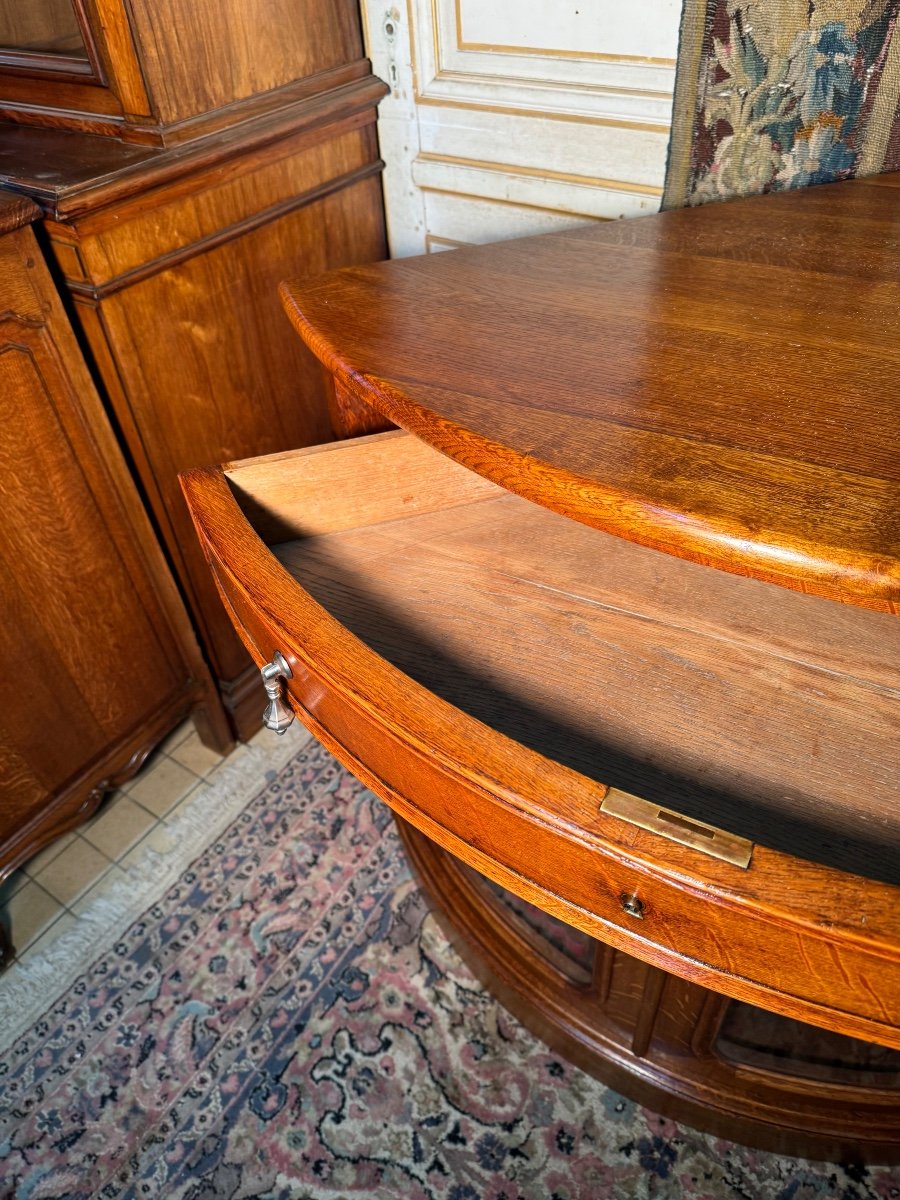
(714, 1063)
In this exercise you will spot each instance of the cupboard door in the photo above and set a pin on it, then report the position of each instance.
(210, 370)
(90, 668)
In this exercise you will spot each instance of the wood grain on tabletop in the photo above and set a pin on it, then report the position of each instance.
(509, 665)
(719, 383)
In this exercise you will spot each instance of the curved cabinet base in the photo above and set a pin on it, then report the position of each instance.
(720, 1066)
(78, 801)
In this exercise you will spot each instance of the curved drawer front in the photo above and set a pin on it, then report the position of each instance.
(801, 938)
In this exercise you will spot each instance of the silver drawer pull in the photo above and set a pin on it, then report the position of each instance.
(277, 715)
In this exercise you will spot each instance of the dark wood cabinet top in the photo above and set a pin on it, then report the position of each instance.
(717, 383)
(70, 174)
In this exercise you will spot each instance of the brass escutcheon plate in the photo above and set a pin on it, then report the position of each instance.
(672, 825)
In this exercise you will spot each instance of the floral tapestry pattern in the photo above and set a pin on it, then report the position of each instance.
(777, 94)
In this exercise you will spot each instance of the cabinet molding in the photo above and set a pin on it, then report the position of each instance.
(98, 661)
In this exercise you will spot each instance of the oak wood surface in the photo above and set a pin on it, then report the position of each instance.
(73, 174)
(97, 658)
(16, 211)
(718, 383)
(628, 668)
(351, 486)
(198, 56)
(533, 823)
(50, 164)
(100, 89)
(173, 257)
(671, 1045)
(121, 244)
(234, 380)
(169, 70)
(42, 24)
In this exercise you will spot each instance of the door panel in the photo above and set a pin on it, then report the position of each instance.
(520, 116)
(86, 654)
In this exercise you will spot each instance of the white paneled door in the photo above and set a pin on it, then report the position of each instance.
(509, 117)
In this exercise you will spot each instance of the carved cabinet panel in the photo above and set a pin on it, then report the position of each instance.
(158, 72)
(171, 234)
(96, 656)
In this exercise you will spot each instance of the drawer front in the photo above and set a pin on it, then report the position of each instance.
(711, 922)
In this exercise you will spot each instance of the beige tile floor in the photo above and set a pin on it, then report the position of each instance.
(44, 898)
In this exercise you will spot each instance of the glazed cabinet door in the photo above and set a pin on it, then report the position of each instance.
(93, 666)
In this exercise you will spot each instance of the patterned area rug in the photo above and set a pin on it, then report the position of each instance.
(775, 94)
(287, 1022)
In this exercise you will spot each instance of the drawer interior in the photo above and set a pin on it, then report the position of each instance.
(762, 711)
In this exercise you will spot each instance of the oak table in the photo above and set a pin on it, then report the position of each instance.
(610, 623)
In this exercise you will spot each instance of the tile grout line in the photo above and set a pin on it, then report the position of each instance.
(120, 900)
(113, 858)
(27, 874)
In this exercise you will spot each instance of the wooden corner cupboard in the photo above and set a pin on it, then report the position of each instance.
(97, 657)
(160, 72)
(185, 155)
(610, 623)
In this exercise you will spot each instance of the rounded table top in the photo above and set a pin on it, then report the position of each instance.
(719, 383)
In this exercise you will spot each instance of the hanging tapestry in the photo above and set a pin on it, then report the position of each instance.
(777, 94)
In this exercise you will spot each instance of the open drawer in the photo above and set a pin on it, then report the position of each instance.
(696, 768)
